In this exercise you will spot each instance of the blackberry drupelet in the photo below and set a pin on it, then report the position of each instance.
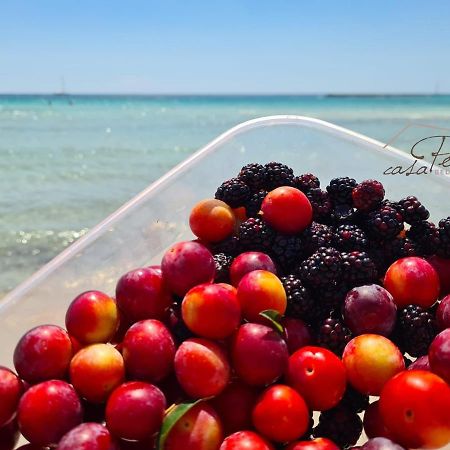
(253, 205)
(229, 246)
(368, 195)
(425, 236)
(412, 210)
(348, 237)
(306, 182)
(444, 238)
(342, 426)
(333, 335)
(300, 303)
(315, 236)
(322, 267)
(277, 175)
(415, 330)
(255, 234)
(384, 223)
(354, 400)
(358, 269)
(233, 192)
(253, 175)
(286, 251)
(321, 205)
(340, 190)
(223, 263)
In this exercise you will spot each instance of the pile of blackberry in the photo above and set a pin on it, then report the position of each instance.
(355, 235)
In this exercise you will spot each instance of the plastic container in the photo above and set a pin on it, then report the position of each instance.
(138, 233)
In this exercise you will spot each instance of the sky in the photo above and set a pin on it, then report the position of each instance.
(225, 47)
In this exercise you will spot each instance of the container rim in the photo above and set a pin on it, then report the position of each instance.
(102, 226)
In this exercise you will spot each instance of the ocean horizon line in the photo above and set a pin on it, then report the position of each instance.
(224, 95)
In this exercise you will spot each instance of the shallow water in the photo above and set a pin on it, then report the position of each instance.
(67, 162)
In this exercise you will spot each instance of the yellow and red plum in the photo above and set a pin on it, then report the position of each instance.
(414, 281)
(95, 371)
(142, 294)
(246, 440)
(199, 429)
(281, 414)
(88, 436)
(92, 318)
(370, 361)
(258, 291)
(148, 351)
(370, 309)
(187, 264)
(43, 353)
(318, 375)
(259, 354)
(11, 389)
(135, 411)
(47, 411)
(287, 210)
(212, 220)
(439, 355)
(248, 262)
(211, 310)
(202, 368)
(314, 444)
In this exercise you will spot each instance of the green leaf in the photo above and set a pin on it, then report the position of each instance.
(173, 416)
(274, 317)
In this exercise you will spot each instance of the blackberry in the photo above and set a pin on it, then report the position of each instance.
(412, 210)
(341, 425)
(322, 267)
(321, 204)
(233, 192)
(444, 238)
(397, 248)
(415, 330)
(277, 175)
(384, 223)
(354, 400)
(306, 182)
(300, 303)
(253, 205)
(358, 269)
(333, 335)
(348, 237)
(223, 263)
(253, 175)
(425, 235)
(286, 250)
(255, 234)
(315, 236)
(330, 297)
(229, 246)
(340, 190)
(368, 195)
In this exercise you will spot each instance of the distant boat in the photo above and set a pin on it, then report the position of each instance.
(62, 92)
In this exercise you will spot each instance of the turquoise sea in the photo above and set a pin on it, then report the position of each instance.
(68, 161)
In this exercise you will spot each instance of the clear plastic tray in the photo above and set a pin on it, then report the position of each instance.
(138, 233)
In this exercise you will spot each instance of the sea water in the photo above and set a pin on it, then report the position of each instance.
(68, 161)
